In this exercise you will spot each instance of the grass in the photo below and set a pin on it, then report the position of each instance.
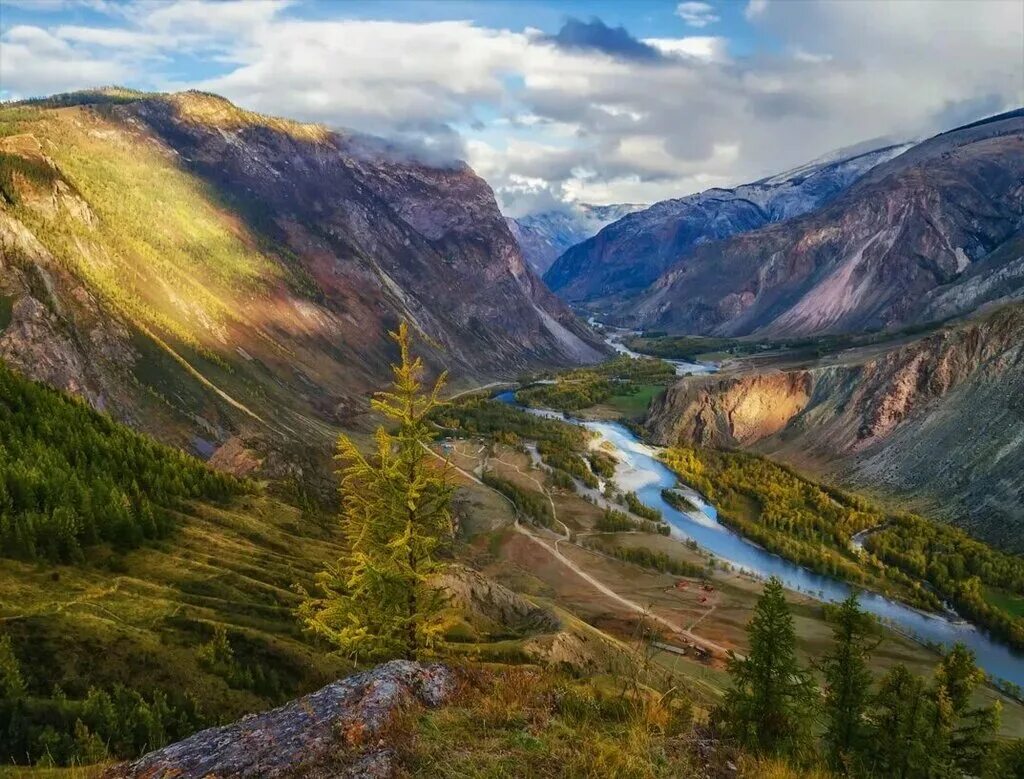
(138, 619)
(1008, 602)
(635, 405)
(522, 722)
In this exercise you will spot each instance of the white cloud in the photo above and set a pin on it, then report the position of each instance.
(697, 14)
(755, 8)
(702, 47)
(542, 122)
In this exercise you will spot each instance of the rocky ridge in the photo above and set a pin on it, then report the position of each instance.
(932, 232)
(938, 421)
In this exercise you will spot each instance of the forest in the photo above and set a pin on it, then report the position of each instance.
(585, 387)
(813, 524)
(70, 477)
(957, 566)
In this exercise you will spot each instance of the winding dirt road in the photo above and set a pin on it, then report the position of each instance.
(597, 584)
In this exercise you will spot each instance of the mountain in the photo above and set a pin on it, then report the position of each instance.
(936, 420)
(931, 233)
(628, 255)
(204, 272)
(543, 236)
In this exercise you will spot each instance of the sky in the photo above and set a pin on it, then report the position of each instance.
(554, 102)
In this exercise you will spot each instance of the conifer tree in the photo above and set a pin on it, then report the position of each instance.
(769, 705)
(12, 683)
(922, 732)
(396, 512)
(897, 737)
(847, 684)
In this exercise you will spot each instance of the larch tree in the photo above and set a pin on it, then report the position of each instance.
(847, 683)
(769, 706)
(376, 602)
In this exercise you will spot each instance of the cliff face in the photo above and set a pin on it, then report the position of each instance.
(203, 272)
(939, 420)
(931, 232)
(631, 253)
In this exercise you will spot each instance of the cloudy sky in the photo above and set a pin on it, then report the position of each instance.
(600, 101)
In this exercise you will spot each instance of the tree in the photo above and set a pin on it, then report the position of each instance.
(847, 684)
(922, 732)
(396, 511)
(12, 683)
(963, 736)
(769, 704)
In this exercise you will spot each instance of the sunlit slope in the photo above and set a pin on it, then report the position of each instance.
(240, 272)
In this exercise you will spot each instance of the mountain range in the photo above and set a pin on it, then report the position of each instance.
(897, 236)
(630, 254)
(204, 272)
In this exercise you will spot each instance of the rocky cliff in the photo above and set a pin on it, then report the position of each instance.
(204, 272)
(930, 233)
(631, 253)
(939, 420)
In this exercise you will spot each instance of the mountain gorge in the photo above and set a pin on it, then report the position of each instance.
(630, 254)
(936, 421)
(545, 235)
(204, 272)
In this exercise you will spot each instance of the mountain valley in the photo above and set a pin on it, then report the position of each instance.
(315, 463)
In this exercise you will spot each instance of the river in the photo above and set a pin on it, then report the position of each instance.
(641, 471)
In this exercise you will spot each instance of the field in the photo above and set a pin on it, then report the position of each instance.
(1008, 602)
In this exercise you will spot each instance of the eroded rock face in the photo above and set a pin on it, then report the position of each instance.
(939, 420)
(892, 249)
(334, 732)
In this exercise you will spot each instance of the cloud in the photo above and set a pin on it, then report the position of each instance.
(755, 8)
(697, 14)
(702, 47)
(588, 114)
(595, 35)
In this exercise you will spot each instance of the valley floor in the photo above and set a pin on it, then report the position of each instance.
(634, 604)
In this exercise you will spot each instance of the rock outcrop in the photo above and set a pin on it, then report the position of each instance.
(334, 732)
(939, 420)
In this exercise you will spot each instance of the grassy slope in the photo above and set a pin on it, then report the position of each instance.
(160, 249)
(139, 618)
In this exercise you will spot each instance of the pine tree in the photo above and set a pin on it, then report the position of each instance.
(962, 736)
(396, 512)
(847, 684)
(769, 704)
(12, 683)
(922, 732)
(897, 735)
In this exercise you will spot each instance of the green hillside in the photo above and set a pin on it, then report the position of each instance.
(177, 608)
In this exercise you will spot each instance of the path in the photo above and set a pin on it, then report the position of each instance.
(477, 389)
(595, 583)
(544, 492)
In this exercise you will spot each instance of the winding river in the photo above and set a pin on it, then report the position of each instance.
(640, 470)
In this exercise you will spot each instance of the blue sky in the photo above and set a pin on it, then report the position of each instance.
(553, 102)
